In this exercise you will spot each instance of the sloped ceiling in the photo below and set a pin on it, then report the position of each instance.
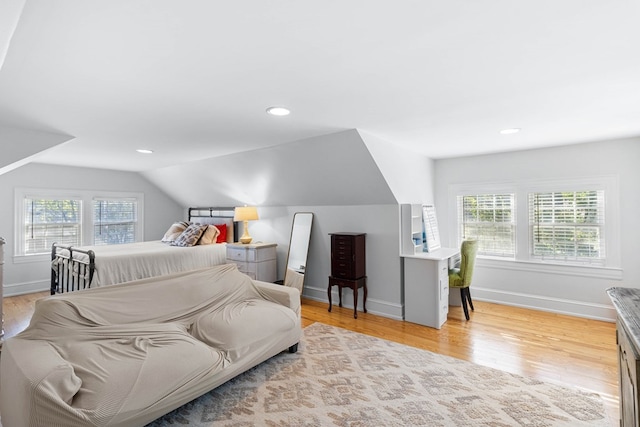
(334, 169)
(22, 146)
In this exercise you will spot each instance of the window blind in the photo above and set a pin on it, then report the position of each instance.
(47, 221)
(490, 219)
(567, 226)
(114, 221)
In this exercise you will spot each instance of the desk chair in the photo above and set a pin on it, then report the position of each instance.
(461, 277)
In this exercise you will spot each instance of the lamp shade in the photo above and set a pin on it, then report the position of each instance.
(245, 213)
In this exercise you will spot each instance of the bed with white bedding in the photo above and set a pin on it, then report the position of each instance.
(75, 268)
(123, 263)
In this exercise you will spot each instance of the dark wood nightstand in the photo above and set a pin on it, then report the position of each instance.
(348, 267)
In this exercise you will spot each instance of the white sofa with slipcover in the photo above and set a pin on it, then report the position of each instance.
(125, 355)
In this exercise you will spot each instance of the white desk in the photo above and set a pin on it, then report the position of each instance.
(426, 286)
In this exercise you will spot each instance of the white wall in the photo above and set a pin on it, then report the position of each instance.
(380, 222)
(565, 290)
(328, 170)
(408, 174)
(160, 211)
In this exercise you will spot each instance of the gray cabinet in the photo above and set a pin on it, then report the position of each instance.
(627, 304)
(426, 287)
(1, 288)
(256, 260)
(628, 362)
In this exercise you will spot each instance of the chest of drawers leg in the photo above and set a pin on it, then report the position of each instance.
(354, 285)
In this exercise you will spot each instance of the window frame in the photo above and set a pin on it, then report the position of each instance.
(457, 190)
(524, 260)
(610, 185)
(512, 224)
(538, 227)
(20, 229)
(86, 226)
(113, 199)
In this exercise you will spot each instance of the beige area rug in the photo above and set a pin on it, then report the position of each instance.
(342, 378)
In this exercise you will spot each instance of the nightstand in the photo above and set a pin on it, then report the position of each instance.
(256, 260)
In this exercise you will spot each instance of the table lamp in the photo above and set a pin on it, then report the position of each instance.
(245, 214)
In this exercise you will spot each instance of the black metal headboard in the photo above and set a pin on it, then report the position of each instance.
(224, 213)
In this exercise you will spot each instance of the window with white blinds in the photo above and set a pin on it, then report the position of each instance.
(49, 220)
(114, 220)
(541, 224)
(490, 219)
(567, 226)
(74, 217)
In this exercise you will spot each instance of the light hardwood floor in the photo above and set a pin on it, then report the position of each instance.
(550, 347)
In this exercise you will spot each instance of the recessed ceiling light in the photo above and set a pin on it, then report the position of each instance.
(509, 131)
(278, 111)
(144, 151)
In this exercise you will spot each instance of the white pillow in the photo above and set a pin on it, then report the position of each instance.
(174, 231)
(209, 236)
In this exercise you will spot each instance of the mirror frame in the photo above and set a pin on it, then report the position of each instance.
(308, 244)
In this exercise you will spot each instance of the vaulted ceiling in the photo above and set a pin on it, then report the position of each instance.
(191, 80)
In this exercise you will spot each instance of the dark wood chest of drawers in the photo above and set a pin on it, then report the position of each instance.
(348, 266)
(348, 255)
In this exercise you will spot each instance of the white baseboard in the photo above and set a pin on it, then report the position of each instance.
(544, 303)
(374, 306)
(15, 289)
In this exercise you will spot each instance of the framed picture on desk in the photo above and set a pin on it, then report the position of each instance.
(430, 227)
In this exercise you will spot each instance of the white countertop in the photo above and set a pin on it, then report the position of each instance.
(437, 255)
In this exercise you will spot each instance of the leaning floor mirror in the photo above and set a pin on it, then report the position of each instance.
(298, 250)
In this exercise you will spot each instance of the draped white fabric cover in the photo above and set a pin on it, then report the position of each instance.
(294, 279)
(132, 261)
(126, 354)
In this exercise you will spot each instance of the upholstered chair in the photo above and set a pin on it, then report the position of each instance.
(461, 277)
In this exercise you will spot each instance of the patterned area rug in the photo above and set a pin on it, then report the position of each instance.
(342, 378)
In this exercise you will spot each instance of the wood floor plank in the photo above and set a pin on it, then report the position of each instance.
(546, 346)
